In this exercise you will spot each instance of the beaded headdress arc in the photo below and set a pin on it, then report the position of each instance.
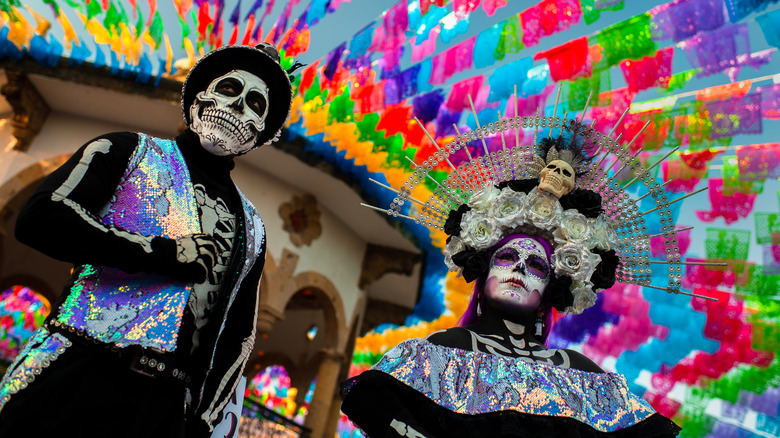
(557, 187)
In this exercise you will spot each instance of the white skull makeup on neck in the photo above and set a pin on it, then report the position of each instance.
(230, 114)
(519, 273)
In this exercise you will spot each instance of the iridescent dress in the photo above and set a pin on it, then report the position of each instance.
(419, 389)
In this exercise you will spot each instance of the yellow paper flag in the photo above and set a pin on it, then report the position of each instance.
(42, 24)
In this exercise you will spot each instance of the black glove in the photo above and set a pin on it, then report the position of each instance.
(189, 258)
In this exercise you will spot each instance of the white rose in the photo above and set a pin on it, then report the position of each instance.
(454, 246)
(575, 261)
(584, 297)
(484, 199)
(604, 236)
(574, 228)
(478, 230)
(544, 210)
(509, 208)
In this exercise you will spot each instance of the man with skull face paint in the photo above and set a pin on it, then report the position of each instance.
(157, 322)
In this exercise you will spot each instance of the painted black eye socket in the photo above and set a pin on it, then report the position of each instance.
(551, 166)
(538, 266)
(229, 87)
(566, 172)
(506, 257)
(257, 102)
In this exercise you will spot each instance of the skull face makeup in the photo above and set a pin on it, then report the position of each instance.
(519, 273)
(557, 178)
(230, 114)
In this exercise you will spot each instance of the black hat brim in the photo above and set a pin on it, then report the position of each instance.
(228, 58)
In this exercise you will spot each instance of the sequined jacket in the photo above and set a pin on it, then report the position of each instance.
(107, 306)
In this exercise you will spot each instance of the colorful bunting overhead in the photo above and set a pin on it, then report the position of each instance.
(704, 364)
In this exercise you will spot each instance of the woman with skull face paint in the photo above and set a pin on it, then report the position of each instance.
(529, 245)
(154, 328)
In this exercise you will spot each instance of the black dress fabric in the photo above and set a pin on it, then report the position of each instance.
(92, 393)
(374, 399)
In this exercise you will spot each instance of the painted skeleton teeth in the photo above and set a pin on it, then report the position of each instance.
(228, 122)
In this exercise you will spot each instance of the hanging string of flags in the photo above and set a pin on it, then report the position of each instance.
(356, 106)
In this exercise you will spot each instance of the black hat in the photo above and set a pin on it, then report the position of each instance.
(263, 61)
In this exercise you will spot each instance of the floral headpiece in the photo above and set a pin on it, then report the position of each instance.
(584, 257)
(551, 189)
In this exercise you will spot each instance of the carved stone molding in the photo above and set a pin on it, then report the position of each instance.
(301, 218)
(379, 260)
(381, 312)
(29, 108)
(267, 317)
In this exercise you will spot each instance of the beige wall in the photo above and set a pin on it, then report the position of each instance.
(337, 253)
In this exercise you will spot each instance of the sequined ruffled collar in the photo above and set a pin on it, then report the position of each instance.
(473, 382)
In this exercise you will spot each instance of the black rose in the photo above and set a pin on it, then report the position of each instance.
(474, 263)
(558, 293)
(585, 201)
(604, 275)
(520, 185)
(452, 225)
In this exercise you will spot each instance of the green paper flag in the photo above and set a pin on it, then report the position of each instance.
(54, 6)
(767, 225)
(629, 39)
(761, 289)
(75, 5)
(577, 91)
(93, 9)
(314, 91)
(511, 39)
(732, 183)
(722, 243)
(678, 81)
(139, 25)
(593, 13)
(342, 107)
(111, 20)
(185, 29)
(7, 6)
(156, 30)
(123, 18)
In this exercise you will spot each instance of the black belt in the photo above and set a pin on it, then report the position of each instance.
(138, 359)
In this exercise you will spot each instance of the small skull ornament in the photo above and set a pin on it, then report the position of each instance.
(230, 114)
(557, 178)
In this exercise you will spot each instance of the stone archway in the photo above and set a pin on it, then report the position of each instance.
(20, 264)
(278, 285)
(281, 289)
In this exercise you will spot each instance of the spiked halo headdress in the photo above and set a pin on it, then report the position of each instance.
(598, 234)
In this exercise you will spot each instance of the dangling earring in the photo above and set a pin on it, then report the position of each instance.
(539, 322)
(479, 307)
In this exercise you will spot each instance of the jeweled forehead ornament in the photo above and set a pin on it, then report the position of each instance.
(597, 231)
(230, 113)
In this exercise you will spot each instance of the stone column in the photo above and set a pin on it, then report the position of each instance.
(327, 382)
(333, 417)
